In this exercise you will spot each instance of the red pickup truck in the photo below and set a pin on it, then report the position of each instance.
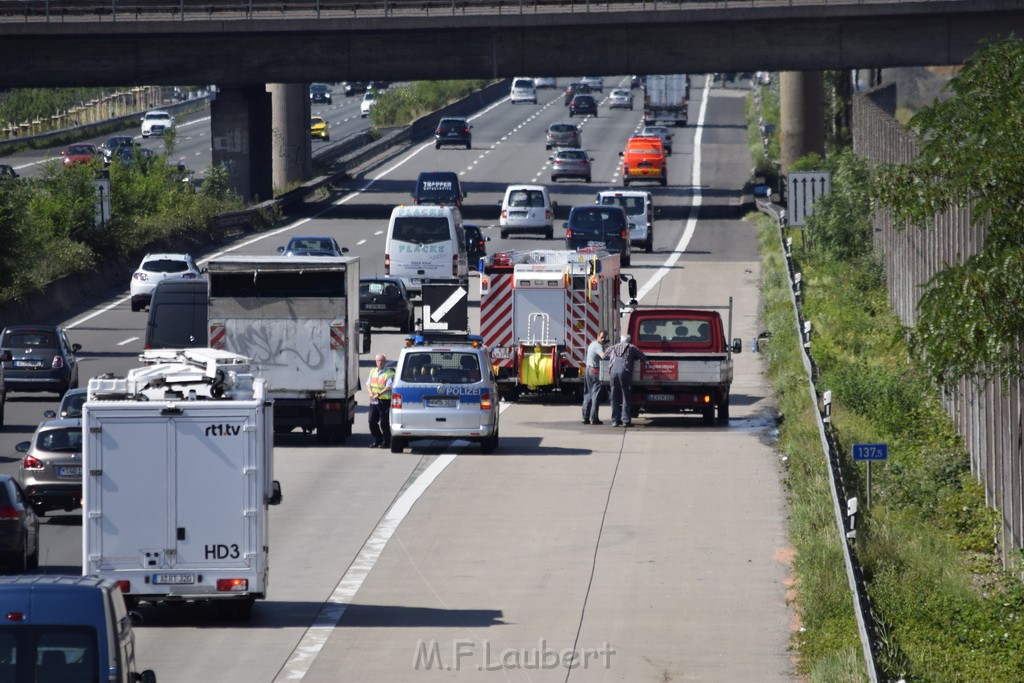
(689, 368)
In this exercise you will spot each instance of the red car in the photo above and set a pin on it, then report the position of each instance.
(81, 153)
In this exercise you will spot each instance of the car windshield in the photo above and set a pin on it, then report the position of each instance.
(31, 340)
(634, 206)
(310, 244)
(563, 128)
(645, 151)
(672, 330)
(55, 440)
(157, 115)
(316, 121)
(80, 149)
(596, 221)
(447, 367)
(71, 405)
(421, 229)
(575, 155)
(165, 266)
(377, 288)
(521, 199)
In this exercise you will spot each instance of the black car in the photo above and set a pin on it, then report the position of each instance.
(41, 359)
(599, 226)
(385, 302)
(356, 87)
(583, 104)
(575, 89)
(453, 131)
(19, 527)
(113, 144)
(7, 172)
(320, 92)
(476, 244)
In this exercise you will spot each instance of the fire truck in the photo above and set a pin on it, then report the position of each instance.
(539, 310)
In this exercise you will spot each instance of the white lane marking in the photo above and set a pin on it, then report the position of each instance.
(316, 636)
(691, 220)
(129, 340)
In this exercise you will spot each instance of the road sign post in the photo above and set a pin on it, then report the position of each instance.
(870, 452)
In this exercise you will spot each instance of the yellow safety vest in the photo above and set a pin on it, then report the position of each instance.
(379, 382)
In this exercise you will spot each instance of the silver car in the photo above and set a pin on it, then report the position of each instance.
(659, 132)
(51, 470)
(570, 163)
(620, 99)
(563, 134)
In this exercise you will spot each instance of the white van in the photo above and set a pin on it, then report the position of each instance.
(426, 244)
(639, 207)
(527, 209)
(523, 90)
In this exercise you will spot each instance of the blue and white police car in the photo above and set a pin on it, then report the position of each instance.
(444, 389)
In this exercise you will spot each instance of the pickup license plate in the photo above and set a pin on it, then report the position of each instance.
(376, 307)
(28, 363)
(174, 579)
(660, 397)
(69, 470)
(442, 402)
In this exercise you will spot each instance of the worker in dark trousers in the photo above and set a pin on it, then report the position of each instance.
(623, 357)
(379, 384)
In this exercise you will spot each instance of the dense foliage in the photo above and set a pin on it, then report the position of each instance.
(971, 321)
(400, 105)
(27, 104)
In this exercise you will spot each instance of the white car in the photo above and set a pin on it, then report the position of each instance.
(596, 83)
(659, 132)
(156, 122)
(527, 209)
(369, 99)
(523, 90)
(545, 82)
(154, 269)
(639, 208)
(620, 98)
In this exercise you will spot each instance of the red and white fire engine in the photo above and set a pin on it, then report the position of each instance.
(539, 310)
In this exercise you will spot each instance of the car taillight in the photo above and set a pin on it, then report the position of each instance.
(485, 401)
(188, 276)
(547, 215)
(141, 277)
(125, 586)
(58, 363)
(504, 213)
(455, 265)
(465, 130)
(568, 233)
(32, 463)
(387, 264)
(233, 585)
(623, 233)
(8, 513)
(396, 400)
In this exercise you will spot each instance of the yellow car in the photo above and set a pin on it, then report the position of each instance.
(318, 128)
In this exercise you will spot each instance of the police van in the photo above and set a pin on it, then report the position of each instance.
(426, 244)
(444, 389)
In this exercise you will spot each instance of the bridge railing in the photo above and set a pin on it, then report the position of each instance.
(196, 10)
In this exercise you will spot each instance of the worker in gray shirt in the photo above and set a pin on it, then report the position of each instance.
(623, 357)
(592, 380)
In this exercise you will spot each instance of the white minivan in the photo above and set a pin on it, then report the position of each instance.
(426, 244)
(639, 207)
(527, 209)
(523, 90)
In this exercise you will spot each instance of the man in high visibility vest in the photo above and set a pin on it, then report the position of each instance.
(379, 385)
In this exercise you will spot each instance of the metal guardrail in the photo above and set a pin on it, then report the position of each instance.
(196, 10)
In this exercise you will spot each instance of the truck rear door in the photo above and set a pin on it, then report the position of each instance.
(216, 461)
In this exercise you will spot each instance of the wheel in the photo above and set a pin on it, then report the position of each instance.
(547, 146)
(437, 145)
(327, 138)
(649, 246)
(626, 260)
(547, 235)
(469, 145)
(723, 411)
(504, 234)
(397, 444)
(587, 179)
(625, 181)
(136, 307)
(282, 429)
(323, 435)
(33, 559)
(410, 324)
(554, 179)
(668, 150)
(709, 416)
(664, 182)
(489, 444)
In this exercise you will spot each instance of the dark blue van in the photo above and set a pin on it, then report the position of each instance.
(599, 226)
(438, 188)
(66, 628)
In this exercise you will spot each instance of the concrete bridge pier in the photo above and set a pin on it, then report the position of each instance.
(292, 146)
(240, 123)
(801, 115)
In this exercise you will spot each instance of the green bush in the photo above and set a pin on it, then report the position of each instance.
(401, 105)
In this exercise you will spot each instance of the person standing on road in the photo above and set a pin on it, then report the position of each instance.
(379, 384)
(592, 380)
(623, 357)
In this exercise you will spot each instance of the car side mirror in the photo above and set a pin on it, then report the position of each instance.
(280, 250)
(147, 676)
(344, 250)
(23, 446)
(622, 154)
(49, 414)
(565, 225)
(737, 345)
(275, 495)
(6, 356)
(75, 348)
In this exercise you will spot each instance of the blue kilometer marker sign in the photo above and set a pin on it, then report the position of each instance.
(871, 451)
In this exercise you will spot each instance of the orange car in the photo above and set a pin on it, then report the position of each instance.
(644, 159)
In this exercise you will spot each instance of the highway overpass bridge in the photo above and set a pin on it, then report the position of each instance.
(243, 45)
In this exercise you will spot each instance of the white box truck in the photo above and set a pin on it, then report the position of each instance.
(296, 319)
(665, 99)
(177, 465)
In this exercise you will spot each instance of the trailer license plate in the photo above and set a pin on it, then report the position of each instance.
(75, 471)
(660, 397)
(442, 402)
(175, 579)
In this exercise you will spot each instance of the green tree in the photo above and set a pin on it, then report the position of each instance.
(971, 318)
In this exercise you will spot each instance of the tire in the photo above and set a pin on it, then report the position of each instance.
(649, 246)
(709, 416)
(397, 444)
(627, 260)
(469, 145)
(550, 234)
(136, 307)
(437, 145)
(504, 234)
(587, 179)
(664, 182)
(554, 179)
(547, 146)
(410, 324)
(625, 181)
(33, 558)
(723, 411)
